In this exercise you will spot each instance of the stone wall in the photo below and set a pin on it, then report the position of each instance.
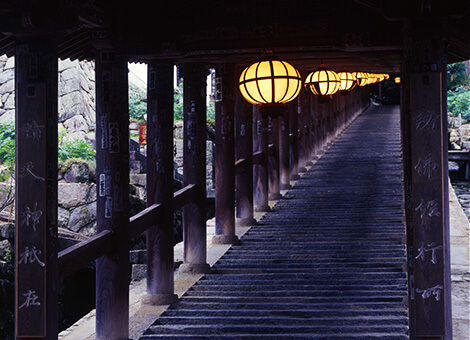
(76, 95)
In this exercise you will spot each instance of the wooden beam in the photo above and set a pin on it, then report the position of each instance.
(244, 164)
(184, 196)
(194, 172)
(284, 146)
(112, 169)
(225, 155)
(431, 294)
(241, 166)
(274, 182)
(79, 255)
(36, 307)
(145, 219)
(260, 165)
(160, 235)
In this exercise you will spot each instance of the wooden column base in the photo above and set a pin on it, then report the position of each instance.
(225, 239)
(246, 221)
(294, 177)
(262, 208)
(158, 299)
(275, 196)
(194, 268)
(285, 186)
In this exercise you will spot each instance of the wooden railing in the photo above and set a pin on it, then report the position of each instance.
(79, 255)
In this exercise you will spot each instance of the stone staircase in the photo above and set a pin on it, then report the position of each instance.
(327, 263)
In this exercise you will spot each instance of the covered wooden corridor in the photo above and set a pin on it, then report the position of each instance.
(327, 263)
(341, 226)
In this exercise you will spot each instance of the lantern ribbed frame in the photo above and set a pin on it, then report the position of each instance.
(270, 82)
(361, 78)
(348, 81)
(323, 82)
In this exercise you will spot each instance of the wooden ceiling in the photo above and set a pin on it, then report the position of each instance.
(353, 34)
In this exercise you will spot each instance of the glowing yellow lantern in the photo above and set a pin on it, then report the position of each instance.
(397, 80)
(348, 81)
(270, 82)
(386, 76)
(361, 78)
(323, 82)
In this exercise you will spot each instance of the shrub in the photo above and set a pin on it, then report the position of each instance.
(137, 108)
(7, 144)
(75, 149)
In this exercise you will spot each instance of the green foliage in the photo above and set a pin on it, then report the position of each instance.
(210, 110)
(75, 149)
(178, 102)
(7, 145)
(137, 108)
(8, 256)
(458, 90)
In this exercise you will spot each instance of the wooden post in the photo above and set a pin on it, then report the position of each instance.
(160, 238)
(224, 155)
(112, 157)
(244, 150)
(260, 171)
(36, 188)
(274, 185)
(284, 145)
(294, 110)
(301, 129)
(112, 172)
(307, 131)
(194, 168)
(428, 200)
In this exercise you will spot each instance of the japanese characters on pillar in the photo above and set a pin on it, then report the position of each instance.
(160, 238)
(429, 182)
(36, 189)
(112, 168)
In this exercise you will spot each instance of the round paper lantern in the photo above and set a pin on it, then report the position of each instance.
(323, 82)
(361, 78)
(348, 81)
(270, 82)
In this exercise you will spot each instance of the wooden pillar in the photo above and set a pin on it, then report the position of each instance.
(301, 129)
(427, 199)
(36, 188)
(160, 237)
(194, 168)
(307, 131)
(112, 170)
(274, 184)
(284, 146)
(260, 171)
(244, 150)
(294, 110)
(225, 155)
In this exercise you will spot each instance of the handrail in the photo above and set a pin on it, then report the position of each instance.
(143, 220)
(79, 255)
(258, 157)
(271, 149)
(184, 196)
(240, 166)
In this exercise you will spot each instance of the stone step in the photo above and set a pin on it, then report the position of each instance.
(277, 321)
(274, 329)
(270, 336)
(233, 292)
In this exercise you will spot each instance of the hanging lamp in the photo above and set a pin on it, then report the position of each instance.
(361, 78)
(348, 81)
(270, 82)
(323, 82)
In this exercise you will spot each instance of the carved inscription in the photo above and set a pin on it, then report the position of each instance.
(31, 217)
(113, 137)
(429, 292)
(426, 120)
(31, 299)
(428, 208)
(33, 131)
(426, 166)
(428, 248)
(29, 256)
(26, 169)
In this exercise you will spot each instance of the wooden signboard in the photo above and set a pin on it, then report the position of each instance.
(428, 204)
